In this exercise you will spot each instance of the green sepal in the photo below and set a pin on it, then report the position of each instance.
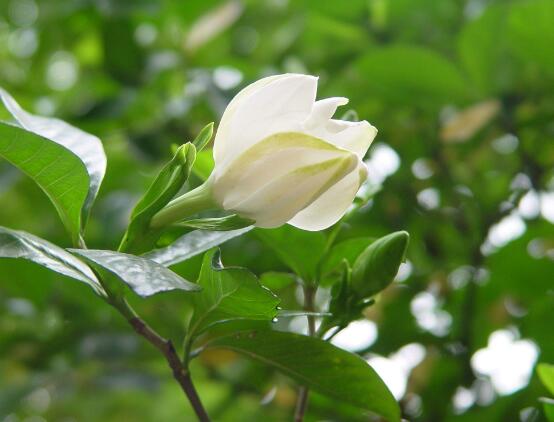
(378, 264)
(229, 222)
(139, 236)
(204, 137)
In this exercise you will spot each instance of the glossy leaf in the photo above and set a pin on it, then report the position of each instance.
(165, 186)
(204, 137)
(84, 145)
(546, 374)
(377, 266)
(229, 294)
(318, 365)
(58, 172)
(19, 244)
(548, 407)
(230, 222)
(192, 244)
(300, 250)
(204, 164)
(144, 276)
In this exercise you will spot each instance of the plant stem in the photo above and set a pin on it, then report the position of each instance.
(192, 202)
(304, 392)
(180, 371)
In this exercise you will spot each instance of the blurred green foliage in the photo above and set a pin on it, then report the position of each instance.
(462, 92)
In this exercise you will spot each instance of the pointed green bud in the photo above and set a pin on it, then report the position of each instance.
(378, 264)
(204, 137)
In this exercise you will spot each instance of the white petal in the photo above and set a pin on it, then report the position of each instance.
(323, 110)
(352, 136)
(279, 176)
(333, 204)
(271, 105)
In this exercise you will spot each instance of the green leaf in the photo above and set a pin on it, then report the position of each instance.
(229, 294)
(88, 148)
(411, 75)
(546, 374)
(531, 33)
(19, 244)
(318, 365)
(204, 137)
(548, 407)
(300, 250)
(145, 277)
(166, 185)
(58, 172)
(192, 244)
(229, 222)
(377, 266)
(275, 280)
(348, 249)
(487, 65)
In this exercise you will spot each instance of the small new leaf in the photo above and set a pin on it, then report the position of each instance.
(228, 294)
(377, 266)
(166, 185)
(204, 137)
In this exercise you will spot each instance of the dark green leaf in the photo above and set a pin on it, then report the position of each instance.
(192, 244)
(229, 294)
(87, 147)
(275, 281)
(58, 172)
(165, 186)
(318, 365)
(19, 244)
(300, 250)
(546, 374)
(229, 222)
(377, 266)
(204, 137)
(144, 276)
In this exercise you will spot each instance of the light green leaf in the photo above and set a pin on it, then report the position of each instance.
(204, 137)
(145, 277)
(411, 75)
(548, 407)
(318, 365)
(192, 244)
(58, 172)
(377, 266)
(531, 33)
(19, 244)
(546, 374)
(300, 250)
(348, 249)
(204, 164)
(275, 280)
(87, 147)
(165, 186)
(229, 222)
(229, 294)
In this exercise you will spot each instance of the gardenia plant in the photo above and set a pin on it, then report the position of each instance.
(280, 158)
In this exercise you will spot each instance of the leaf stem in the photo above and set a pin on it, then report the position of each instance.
(304, 392)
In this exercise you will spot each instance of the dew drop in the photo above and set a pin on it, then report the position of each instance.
(274, 320)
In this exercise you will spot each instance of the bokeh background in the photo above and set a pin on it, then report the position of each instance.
(462, 92)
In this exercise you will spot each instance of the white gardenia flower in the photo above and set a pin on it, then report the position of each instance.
(281, 158)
